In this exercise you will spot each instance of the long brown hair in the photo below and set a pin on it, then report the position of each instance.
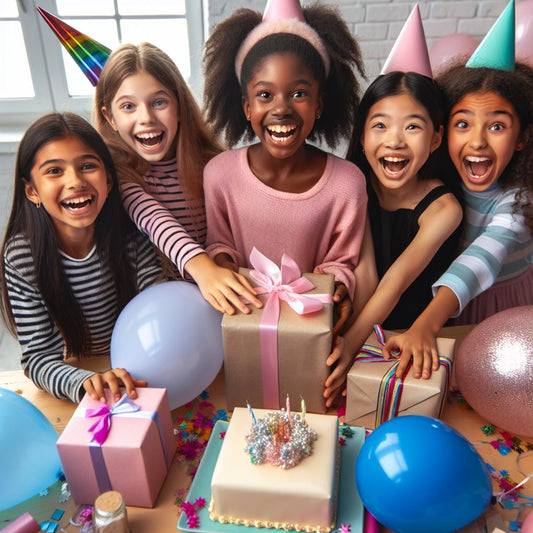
(196, 144)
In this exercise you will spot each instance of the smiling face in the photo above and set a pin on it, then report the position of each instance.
(282, 103)
(70, 181)
(398, 138)
(145, 115)
(483, 135)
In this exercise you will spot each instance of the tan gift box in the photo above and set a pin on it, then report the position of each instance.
(303, 341)
(367, 381)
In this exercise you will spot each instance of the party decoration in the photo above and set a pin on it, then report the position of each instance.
(29, 462)
(497, 49)
(170, 336)
(410, 52)
(449, 49)
(283, 9)
(416, 474)
(524, 32)
(527, 525)
(89, 54)
(494, 369)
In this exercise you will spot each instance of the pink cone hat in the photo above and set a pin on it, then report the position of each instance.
(283, 9)
(410, 51)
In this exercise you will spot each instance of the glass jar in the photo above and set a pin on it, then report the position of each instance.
(109, 513)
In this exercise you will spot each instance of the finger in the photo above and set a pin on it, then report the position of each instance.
(232, 298)
(140, 383)
(90, 390)
(402, 365)
(418, 364)
(334, 356)
(98, 388)
(249, 293)
(112, 382)
(340, 293)
(220, 304)
(435, 359)
(129, 385)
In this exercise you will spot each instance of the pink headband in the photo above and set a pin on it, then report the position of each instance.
(293, 26)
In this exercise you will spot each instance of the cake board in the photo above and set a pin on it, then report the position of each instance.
(350, 508)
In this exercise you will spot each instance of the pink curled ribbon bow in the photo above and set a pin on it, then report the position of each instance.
(287, 284)
(100, 429)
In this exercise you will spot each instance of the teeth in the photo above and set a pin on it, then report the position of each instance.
(280, 128)
(391, 159)
(77, 201)
(150, 135)
(474, 159)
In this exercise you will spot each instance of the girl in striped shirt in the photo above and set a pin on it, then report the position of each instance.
(71, 258)
(148, 117)
(490, 121)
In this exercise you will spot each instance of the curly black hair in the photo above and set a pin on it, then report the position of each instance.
(341, 89)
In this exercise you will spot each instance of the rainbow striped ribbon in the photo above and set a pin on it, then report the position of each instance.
(391, 387)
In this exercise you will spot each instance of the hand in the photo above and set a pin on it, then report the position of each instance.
(222, 287)
(416, 343)
(336, 382)
(342, 308)
(112, 379)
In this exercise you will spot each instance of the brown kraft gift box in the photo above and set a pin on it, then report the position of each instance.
(418, 396)
(304, 343)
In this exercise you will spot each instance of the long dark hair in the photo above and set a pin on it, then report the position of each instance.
(421, 88)
(111, 227)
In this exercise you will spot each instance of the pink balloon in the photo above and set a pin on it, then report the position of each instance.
(453, 47)
(524, 32)
(494, 369)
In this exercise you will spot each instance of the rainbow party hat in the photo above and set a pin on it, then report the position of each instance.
(410, 51)
(283, 9)
(89, 54)
(497, 49)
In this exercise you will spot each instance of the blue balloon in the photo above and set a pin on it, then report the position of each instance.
(29, 462)
(171, 337)
(416, 474)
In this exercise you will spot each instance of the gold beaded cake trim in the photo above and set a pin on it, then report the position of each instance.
(287, 526)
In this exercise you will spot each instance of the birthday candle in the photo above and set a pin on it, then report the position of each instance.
(302, 407)
(288, 404)
(251, 413)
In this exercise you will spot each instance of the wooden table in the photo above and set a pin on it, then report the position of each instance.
(164, 516)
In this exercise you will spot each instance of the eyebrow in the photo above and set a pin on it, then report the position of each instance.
(302, 81)
(414, 115)
(59, 160)
(490, 114)
(161, 92)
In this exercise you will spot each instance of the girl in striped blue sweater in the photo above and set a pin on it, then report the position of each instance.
(71, 259)
(490, 143)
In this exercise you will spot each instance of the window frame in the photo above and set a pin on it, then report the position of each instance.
(48, 73)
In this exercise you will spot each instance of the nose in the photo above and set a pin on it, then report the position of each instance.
(282, 107)
(478, 139)
(74, 179)
(394, 138)
(145, 115)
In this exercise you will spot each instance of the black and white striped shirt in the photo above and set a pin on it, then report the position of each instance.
(43, 347)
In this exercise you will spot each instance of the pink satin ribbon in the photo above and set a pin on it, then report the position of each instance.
(100, 429)
(285, 284)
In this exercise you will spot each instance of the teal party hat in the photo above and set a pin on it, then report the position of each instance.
(497, 49)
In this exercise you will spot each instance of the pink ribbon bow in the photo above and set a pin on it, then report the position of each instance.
(285, 284)
(100, 429)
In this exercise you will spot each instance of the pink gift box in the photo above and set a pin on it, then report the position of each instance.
(134, 458)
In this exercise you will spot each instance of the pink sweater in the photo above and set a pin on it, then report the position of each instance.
(321, 229)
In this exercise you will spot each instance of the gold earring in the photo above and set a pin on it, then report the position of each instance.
(247, 117)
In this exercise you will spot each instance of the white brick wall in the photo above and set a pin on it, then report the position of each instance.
(376, 23)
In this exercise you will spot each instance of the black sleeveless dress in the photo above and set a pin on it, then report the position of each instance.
(392, 232)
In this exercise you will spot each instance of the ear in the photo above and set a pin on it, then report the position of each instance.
(246, 107)
(436, 139)
(109, 117)
(523, 138)
(31, 193)
(319, 107)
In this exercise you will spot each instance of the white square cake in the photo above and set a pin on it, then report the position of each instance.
(262, 495)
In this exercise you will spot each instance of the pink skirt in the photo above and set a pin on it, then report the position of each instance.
(497, 298)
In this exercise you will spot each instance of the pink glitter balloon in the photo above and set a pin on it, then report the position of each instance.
(494, 369)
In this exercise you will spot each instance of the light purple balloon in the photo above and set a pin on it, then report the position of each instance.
(450, 48)
(524, 32)
(494, 369)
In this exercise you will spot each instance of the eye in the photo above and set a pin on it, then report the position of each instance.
(126, 107)
(88, 166)
(461, 124)
(160, 102)
(300, 93)
(53, 170)
(412, 127)
(263, 95)
(378, 126)
(498, 126)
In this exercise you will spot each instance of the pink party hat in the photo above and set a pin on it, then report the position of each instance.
(497, 49)
(283, 9)
(89, 54)
(410, 51)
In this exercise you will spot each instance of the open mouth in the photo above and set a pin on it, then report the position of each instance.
(477, 167)
(77, 203)
(149, 139)
(280, 132)
(393, 165)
